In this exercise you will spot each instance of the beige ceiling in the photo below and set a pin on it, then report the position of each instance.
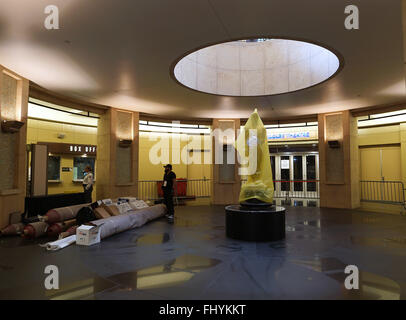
(121, 53)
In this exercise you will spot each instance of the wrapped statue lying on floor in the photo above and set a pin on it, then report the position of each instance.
(112, 216)
(116, 224)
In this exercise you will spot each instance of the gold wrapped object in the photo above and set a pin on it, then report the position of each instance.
(252, 144)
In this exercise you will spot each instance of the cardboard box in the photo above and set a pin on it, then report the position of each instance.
(87, 235)
(127, 199)
(101, 213)
(107, 201)
(138, 204)
(111, 209)
(124, 207)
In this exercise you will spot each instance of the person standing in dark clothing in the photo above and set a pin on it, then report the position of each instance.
(169, 188)
(88, 182)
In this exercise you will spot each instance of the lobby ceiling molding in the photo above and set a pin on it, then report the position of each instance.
(43, 94)
(401, 105)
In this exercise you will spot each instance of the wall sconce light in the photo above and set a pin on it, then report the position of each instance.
(123, 143)
(11, 126)
(334, 144)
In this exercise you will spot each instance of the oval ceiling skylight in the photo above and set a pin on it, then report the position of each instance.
(256, 68)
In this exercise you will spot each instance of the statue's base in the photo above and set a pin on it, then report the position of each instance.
(256, 221)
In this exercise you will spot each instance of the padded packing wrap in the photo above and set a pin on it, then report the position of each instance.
(138, 204)
(56, 228)
(71, 231)
(62, 214)
(123, 222)
(12, 229)
(35, 229)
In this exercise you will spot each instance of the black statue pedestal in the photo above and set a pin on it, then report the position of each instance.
(255, 221)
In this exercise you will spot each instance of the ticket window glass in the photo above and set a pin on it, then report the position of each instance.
(54, 168)
(79, 165)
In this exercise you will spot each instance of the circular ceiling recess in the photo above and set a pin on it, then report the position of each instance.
(256, 67)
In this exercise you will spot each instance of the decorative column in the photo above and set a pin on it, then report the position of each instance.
(226, 180)
(13, 138)
(117, 154)
(339, 160)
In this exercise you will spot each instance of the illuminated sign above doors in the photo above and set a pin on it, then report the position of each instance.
(290, 135)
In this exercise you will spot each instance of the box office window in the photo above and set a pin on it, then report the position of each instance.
(54, 168)
(79, 165)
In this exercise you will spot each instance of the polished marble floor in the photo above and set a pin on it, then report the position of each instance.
(193, 259)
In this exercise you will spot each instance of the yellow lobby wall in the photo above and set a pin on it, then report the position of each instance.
(151, 171)
(46, 131)
(392, 140)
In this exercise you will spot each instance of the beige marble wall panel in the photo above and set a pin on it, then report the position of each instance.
(124, 125)
(8, 149)
(8, 97)
(124, 165)
(13, 106)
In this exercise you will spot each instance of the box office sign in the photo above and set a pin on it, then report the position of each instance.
(68, 148)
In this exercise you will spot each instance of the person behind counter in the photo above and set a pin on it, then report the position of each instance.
(88, 184)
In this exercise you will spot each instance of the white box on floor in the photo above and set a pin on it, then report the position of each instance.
(87, 235)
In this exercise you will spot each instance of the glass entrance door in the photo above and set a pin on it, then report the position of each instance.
(296, 175)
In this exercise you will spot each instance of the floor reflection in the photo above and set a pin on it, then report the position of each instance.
(318, 241)
(371, 286)
(312, 223)
(395, 242)
(173, 272)
(80, 289)
(152, 238)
